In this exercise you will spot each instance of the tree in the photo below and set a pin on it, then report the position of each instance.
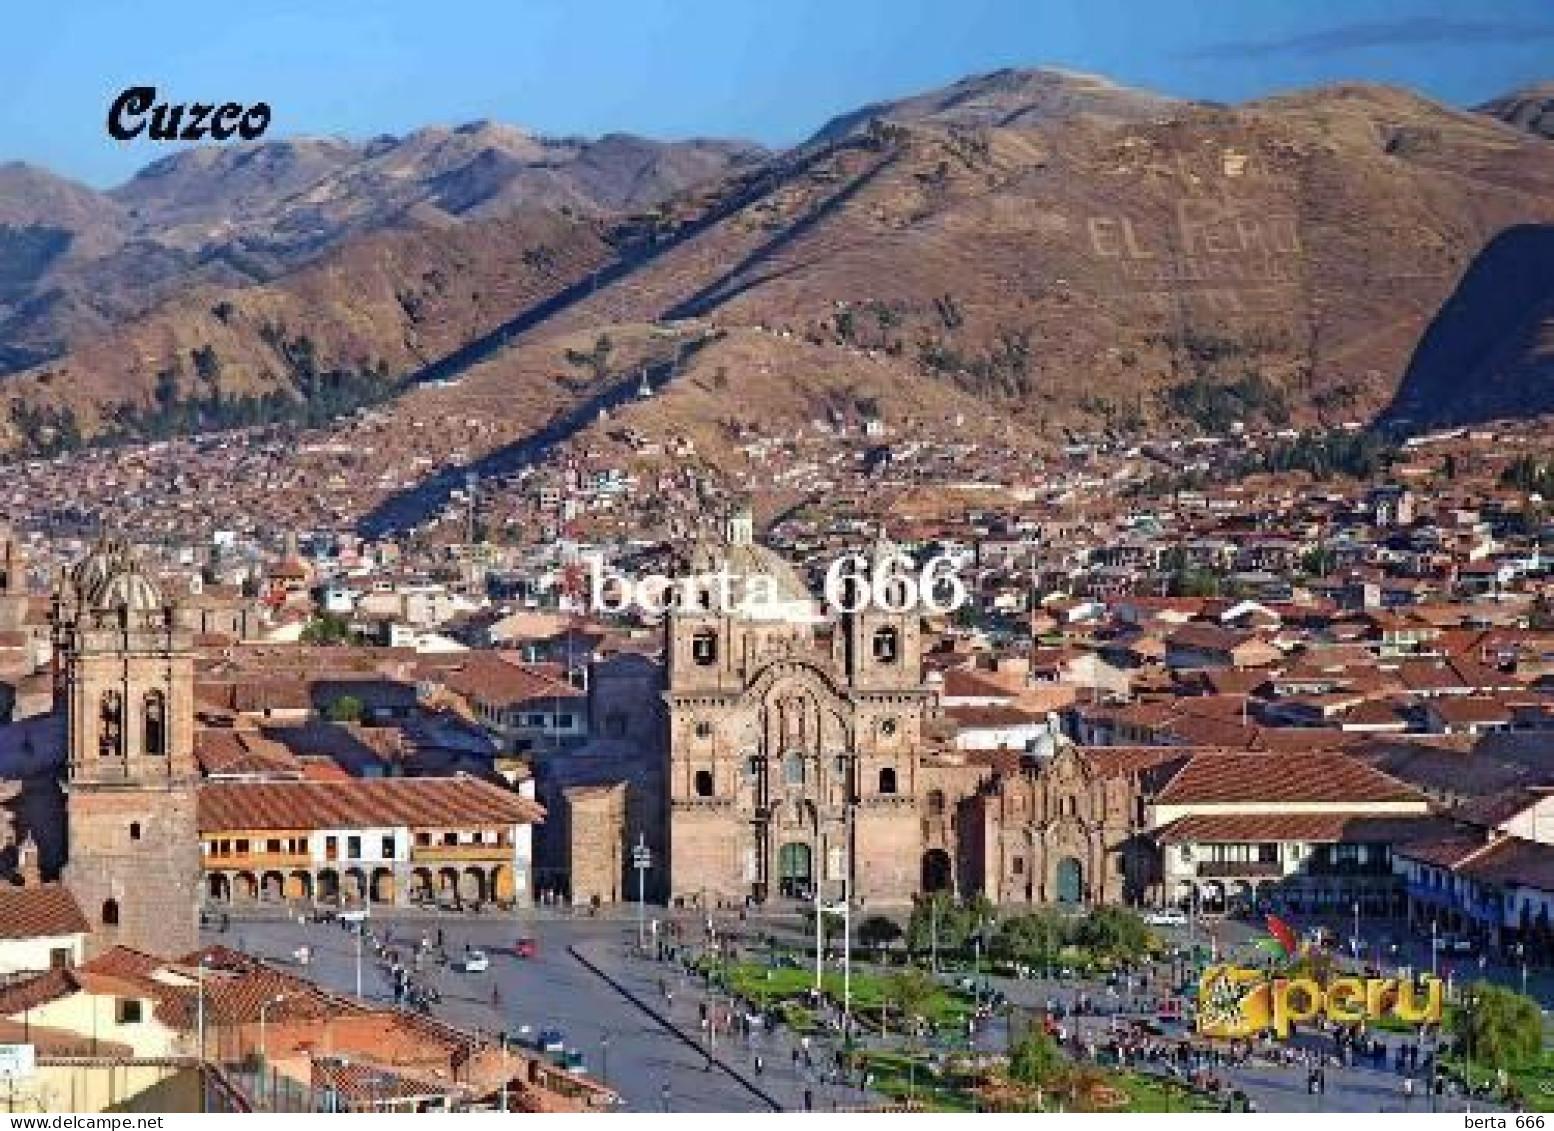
(347, 709)
(326, 628)
(1114, 932)
(1035, 939)
(936, 920)
(878, 931)
(910, 990)
(830, 923)
(1498, 1027)
(1036, 1061)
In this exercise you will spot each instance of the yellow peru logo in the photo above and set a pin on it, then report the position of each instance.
(1234, 1002)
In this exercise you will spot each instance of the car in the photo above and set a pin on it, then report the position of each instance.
(476, 962)
(550, 1040)
(1165, 917)
(526, 948)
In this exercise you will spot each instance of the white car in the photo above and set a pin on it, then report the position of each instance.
(1165, 917)
(477, 962)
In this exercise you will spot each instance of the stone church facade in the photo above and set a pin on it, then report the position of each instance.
(795, 741)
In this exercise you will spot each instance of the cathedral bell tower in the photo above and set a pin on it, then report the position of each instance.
(128, 686)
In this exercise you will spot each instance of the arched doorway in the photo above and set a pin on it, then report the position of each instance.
(218, 887)
(937, 873)
(421, 888)
(794, 874)
(382, 885)
(1070, 880)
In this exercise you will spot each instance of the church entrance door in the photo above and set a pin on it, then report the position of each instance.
(1071, 880)
(793, 871)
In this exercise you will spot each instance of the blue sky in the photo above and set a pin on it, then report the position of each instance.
(772, 70)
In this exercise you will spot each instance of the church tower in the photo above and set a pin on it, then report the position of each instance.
(128, 685)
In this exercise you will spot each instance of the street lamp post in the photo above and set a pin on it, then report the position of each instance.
(641, 860)
(604, 1058)
(199, 1011)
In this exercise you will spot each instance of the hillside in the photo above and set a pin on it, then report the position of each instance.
(349, 329)
(1530, 109)
(1103, 261)
(1489, 353)
(1008, 98)
(74, 261)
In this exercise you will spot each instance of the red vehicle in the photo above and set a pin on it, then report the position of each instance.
(526, 948)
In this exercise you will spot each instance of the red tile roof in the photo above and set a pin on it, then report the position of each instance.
(369, 803)
(1269, 778)
(39, 912)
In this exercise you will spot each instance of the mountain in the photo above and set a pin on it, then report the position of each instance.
(1489, 353)
(1530, 109)
(74, 261)
(1103, 261)
(1008, 98)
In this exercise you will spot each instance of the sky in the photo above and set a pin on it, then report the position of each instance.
(768, 70)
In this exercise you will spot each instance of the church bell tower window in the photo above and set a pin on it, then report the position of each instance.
(886, 645)
(156, 724)
(704, 648)
(110, 739)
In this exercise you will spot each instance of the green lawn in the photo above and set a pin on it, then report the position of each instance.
(1154, 1093)
(1535, 1081)
(946, 1007)
(910, 1079)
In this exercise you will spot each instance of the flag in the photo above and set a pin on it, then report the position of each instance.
(1283, 935)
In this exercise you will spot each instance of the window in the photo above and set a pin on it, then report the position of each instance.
(154, 717)
(353, 848)
(564, 722)
(273, 845)
(886, 645)
(331, 848)
(110, 725)
(1019, 865)
(388, 847)
(450, 838)
(793, 769)
(888, 780)
(134, 830)
(423, 840)
(888, 727)
(936, 802)
(703, 729)
(110, 915)
(703, 783)
(1070, 806)
(1186, 854)
(59, 957)
(752, 768)
(704, 648)
(130, 1011)
(240, 846)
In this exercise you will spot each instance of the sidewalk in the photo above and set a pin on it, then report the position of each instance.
(782, 1084)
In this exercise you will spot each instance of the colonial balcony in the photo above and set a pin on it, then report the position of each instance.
(494, 853)
(256, 861)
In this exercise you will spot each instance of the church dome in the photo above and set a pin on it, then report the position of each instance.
(101, 562)
(128, 588)
(111, 578)
(765, 585)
